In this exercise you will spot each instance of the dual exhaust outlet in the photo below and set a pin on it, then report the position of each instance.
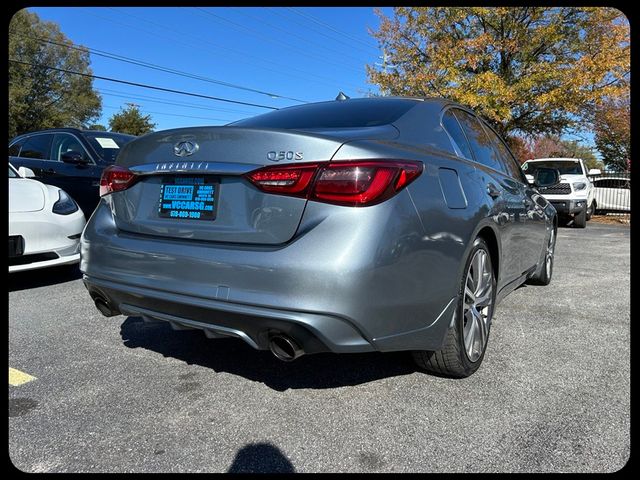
(283, 347)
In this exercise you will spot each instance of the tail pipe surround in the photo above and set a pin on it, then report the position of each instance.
(285, 348)
(103, 307)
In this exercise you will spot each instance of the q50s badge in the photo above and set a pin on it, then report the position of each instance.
(282, 155)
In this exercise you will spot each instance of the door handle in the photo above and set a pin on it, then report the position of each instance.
(50, 170)
(493, 191)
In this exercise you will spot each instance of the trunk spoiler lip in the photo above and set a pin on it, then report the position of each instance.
(212, 168)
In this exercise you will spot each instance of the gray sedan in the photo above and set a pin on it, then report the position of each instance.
(375, 224)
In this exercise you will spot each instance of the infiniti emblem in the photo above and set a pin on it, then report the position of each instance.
(184, 149)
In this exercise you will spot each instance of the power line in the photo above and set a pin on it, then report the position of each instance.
(153, 66)
(289, 33)
(144, 85)
(284, 44)
(121, 94)
(330, 27)
(238, 58)
(321, 32)
(169, 114)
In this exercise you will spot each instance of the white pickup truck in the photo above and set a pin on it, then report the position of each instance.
(573, 196)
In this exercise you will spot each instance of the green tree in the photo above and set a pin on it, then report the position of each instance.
(40, 97)
(527, 70)
(97, 126)
(130, 120)
(613, 132)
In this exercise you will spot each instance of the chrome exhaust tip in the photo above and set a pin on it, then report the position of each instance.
(285, 348)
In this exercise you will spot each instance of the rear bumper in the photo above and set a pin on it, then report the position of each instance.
(253, 324)
(353, 280)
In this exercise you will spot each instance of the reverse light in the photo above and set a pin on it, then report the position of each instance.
(355, 183)
(116, 179)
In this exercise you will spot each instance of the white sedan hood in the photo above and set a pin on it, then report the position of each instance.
(26, 195)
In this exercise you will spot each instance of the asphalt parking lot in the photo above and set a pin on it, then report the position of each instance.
(120, 395)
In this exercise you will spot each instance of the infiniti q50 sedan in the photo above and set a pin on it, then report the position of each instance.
(374, 224)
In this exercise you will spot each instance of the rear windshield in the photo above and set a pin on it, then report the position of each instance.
(337, 114)
(108, 144)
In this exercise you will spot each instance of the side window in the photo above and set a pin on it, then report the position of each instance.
(454, 130)
(14, 149)
(63, 143)
(511, 165)
(37, 146)
(480, 143)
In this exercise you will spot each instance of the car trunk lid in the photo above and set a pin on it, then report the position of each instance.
(220, 156)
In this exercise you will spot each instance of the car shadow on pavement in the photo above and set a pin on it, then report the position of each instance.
(43, 277)
(261, 458)
(321, 370)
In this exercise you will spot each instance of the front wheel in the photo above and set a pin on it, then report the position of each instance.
(591, 210)
(466, 340)
(580, 220)
(545, 270)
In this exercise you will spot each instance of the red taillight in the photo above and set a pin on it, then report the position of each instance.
(356, 183)
(116, 179)
(287, 179)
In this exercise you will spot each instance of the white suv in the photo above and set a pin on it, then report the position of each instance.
(573, 197)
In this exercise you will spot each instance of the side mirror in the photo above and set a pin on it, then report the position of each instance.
(546, 177)
(595, 171)
(25, 172)
(530, 179)
(73, 157)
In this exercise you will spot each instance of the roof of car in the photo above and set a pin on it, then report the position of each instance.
(558, 158)
(68, 130)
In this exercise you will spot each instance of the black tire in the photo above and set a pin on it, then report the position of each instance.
(543, 274)
(453, 361)
(580, 220)
(591, 210)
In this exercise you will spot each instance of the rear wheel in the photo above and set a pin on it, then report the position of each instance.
(466, 339)
(580, 220)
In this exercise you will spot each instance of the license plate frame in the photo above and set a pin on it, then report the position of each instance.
(189, 197)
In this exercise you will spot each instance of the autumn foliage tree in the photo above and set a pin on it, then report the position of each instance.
(613, 132)
(527, 70)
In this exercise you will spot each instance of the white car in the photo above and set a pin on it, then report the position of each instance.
(612, 194)
(573, 197)
(45, 224)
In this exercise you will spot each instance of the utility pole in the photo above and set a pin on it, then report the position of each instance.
(384, 66)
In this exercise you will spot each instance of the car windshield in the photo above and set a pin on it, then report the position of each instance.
(345, 114)
(12, 173)
(108, 144)
(565, 167)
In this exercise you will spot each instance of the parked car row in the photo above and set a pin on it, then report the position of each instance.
(70, 159)
(378, 224)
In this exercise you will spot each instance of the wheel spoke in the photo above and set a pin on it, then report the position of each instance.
(470, 332)
(477, 269)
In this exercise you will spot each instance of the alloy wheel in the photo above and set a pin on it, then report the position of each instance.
(549, 256)
(477, 308)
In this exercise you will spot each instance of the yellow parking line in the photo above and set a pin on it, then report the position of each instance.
(16, 377)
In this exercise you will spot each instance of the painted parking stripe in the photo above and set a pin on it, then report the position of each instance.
(16, 377)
